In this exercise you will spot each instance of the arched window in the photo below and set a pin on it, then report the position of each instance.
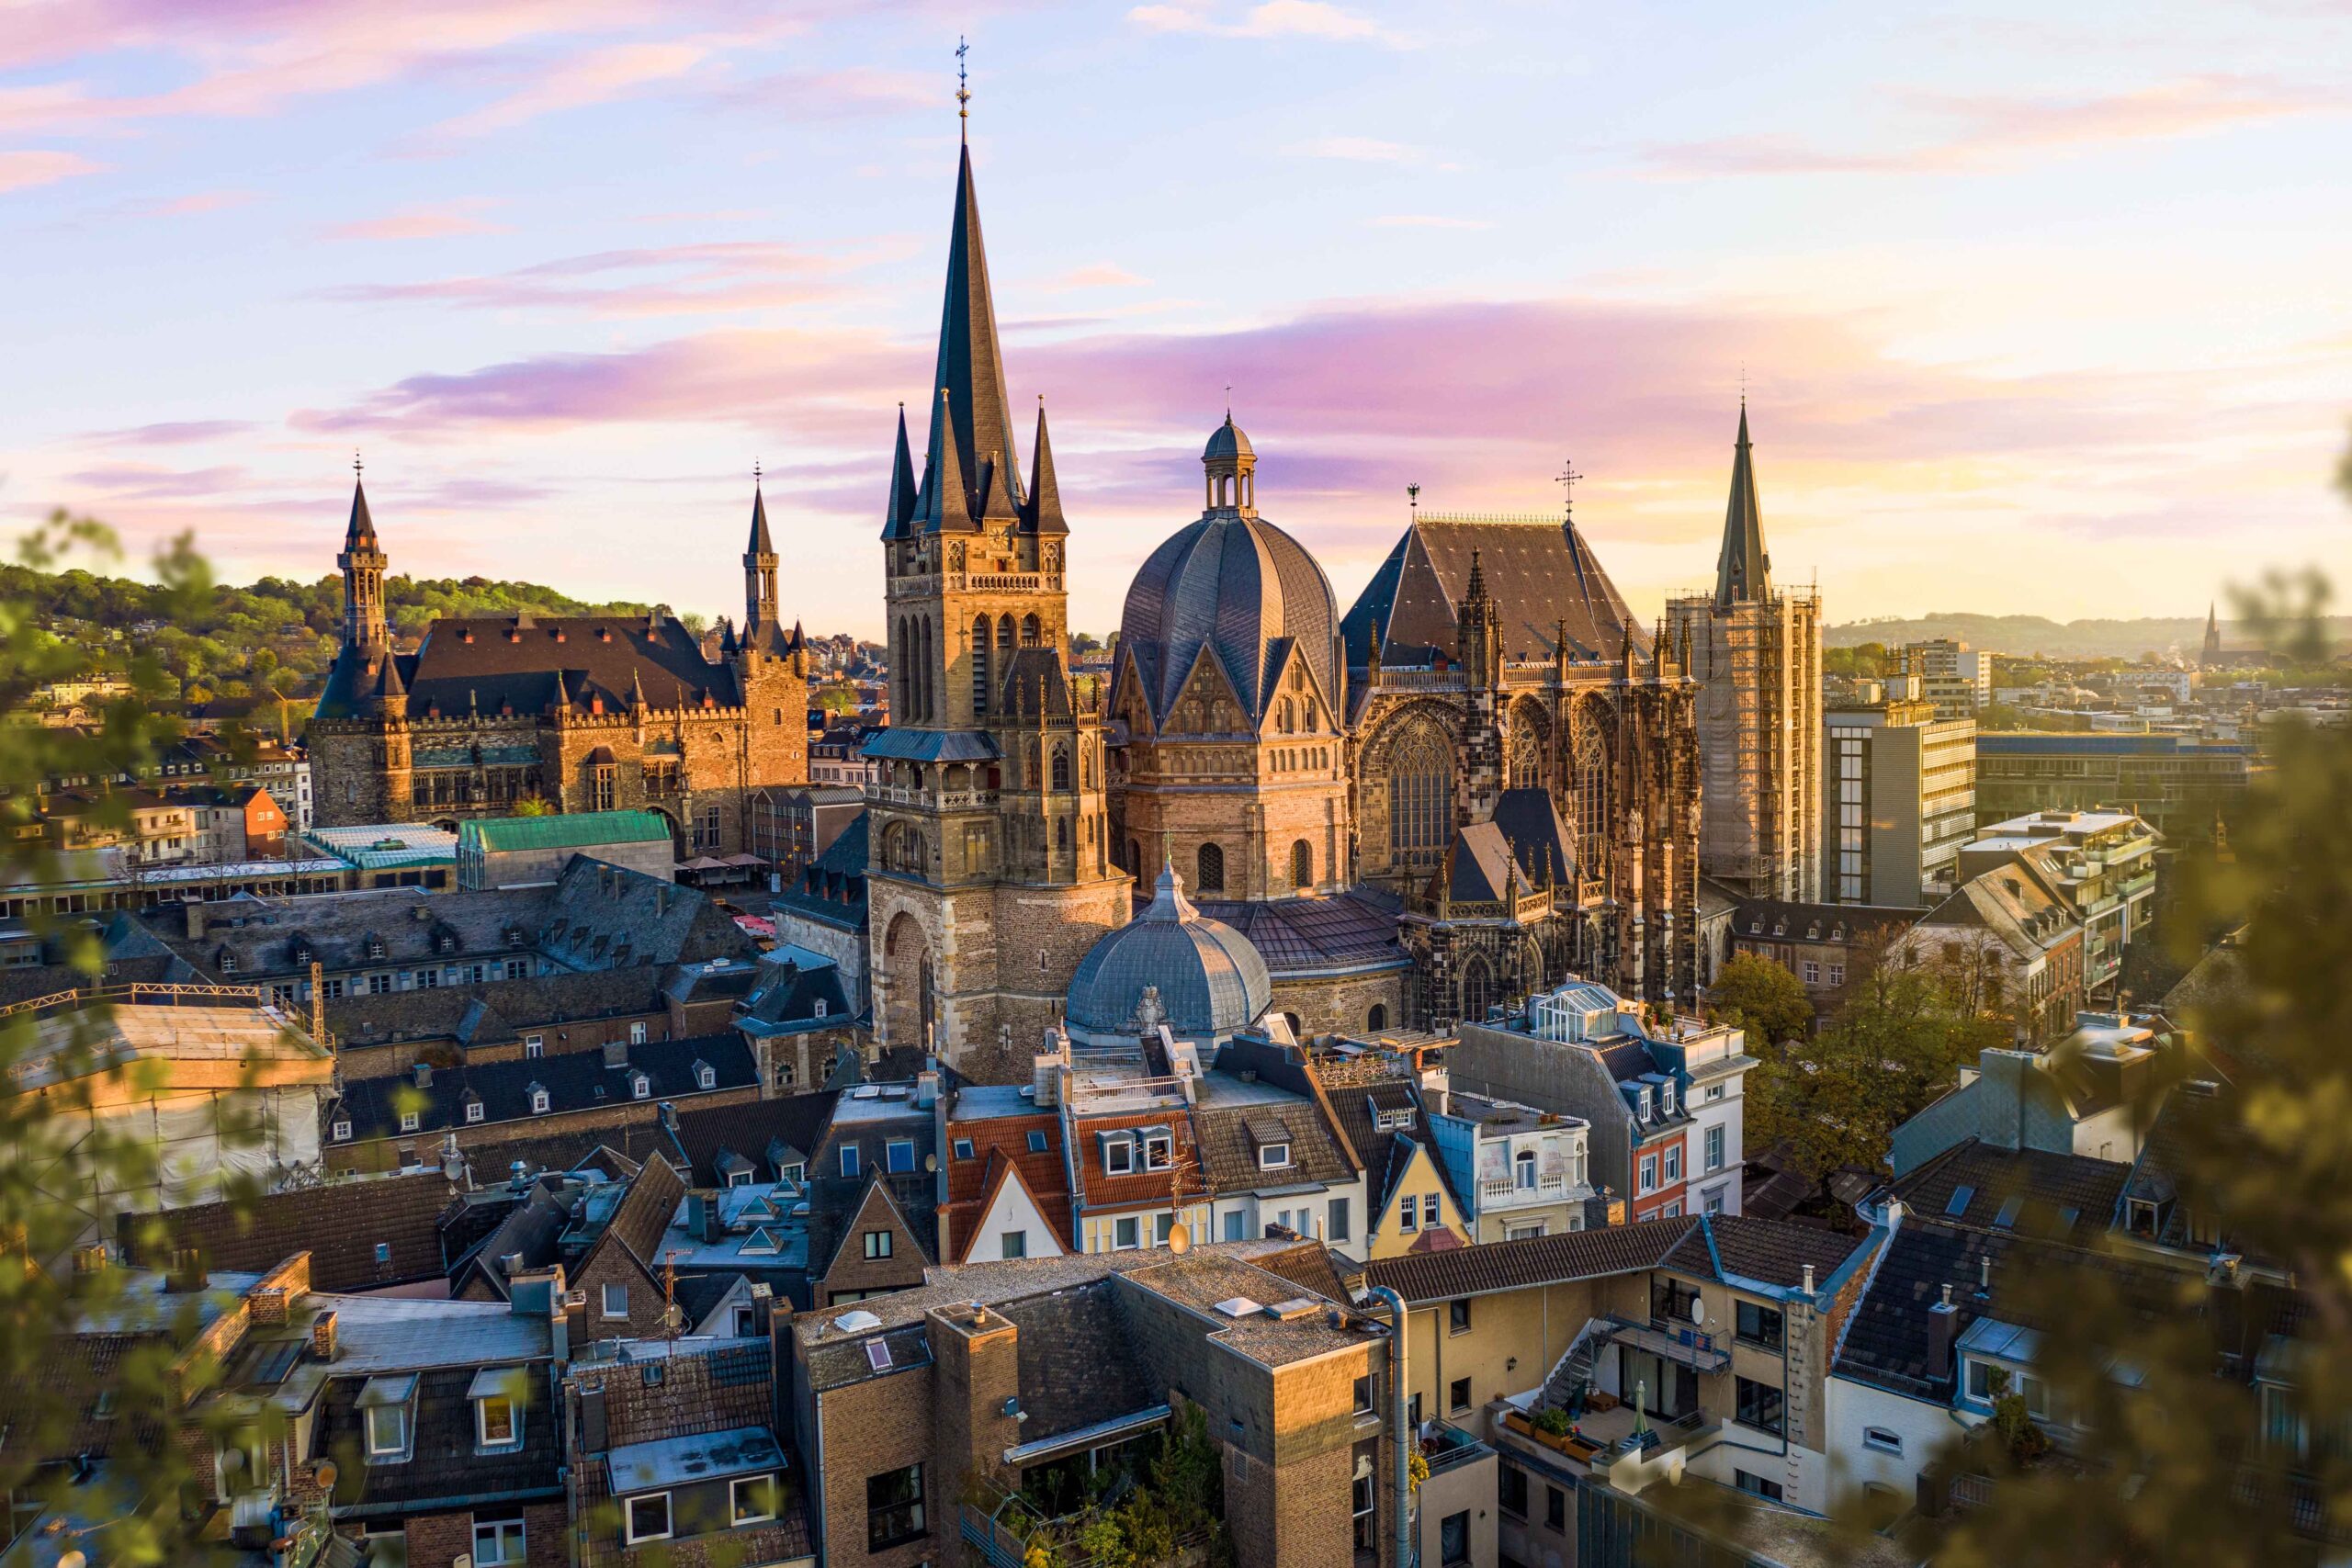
(1302, 865)
(1525, 770)
(1377, 1018)
(1522, 1164)
(1004, 632)
(1421, 790)
(983, 634)
(1478, 990)
(1592, 802)
(1134, 858)
(1210, 864)
(901, 669)
(1030, 636)
(1061, 769)
(1061, 832)
(1283, 719)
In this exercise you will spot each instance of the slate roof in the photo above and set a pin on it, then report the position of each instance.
(1230, 1136)
(2071, 1197)
(445, 1463)
(1303, 937)
(523, 665)
(339, 1224)
(577, 1080)
(1356, 1108)
(1535, 1260)
(832, 887)
(2011, 903)
(788, 990)
(1211, 980)
(1743, 572)
(702, 1135)
(1538, 840)
(1538, 574)
(644, 1214)
(1236, 584)
(1479, 867)
(1773, 1252)
(491, 1013)
(1079, 1366)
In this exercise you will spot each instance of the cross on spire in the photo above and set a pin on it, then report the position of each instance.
(356, 464)
(1568, 476)
(962, 89)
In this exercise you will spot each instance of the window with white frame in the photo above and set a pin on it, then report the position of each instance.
(497, 1422)
(1409, 1213)
(751, 1500)
(1118, 1154)
(1649, 1174)
(706, 1076)
(499, 1542)
(1158, 1151)
(1714, 1145)
(649, 1517)
(1274, 1157)
(343, 1132)
(639, 1086)
(616, 1301)
(1429, 1221)
(637, 1033)
(1883, 1438)
(408, 1120)
(1674, 1165)
(534, 1046)
(473, 1110)
(387, 1431)
(538, 1100)
(1126, 1233)
(877, 1244)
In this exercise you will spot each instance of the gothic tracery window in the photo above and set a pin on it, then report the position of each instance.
(1592, 802)
(1526, 767)
(1477, 989)
(1210, 863)
(1421, 791)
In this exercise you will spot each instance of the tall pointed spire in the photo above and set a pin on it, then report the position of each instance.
(1743, 573)
(2211, 654)
(901, 513)
(1045, 515)
(362, 563)
(761, 614)
(972, 368)
(947, 505)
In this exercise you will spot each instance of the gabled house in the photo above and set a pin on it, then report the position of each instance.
(1003, 1182)
(619, 1278)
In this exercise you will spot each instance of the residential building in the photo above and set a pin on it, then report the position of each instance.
(2091, 1092)
(2101, 864)
(1955, 679)
(496, 852)
(1662, 1106)
(1755, 650)
(871, 1192)
(922, 1411)
(1689, 1350)
(1132, 1147)
(825, 910)
(1898, 798)
(1412, 1203)
(2177, 784)
(1823, 945)
(2009, 941)
(1272, 1152)
(1004, 1188)
(790, 828)
(1522, 1171)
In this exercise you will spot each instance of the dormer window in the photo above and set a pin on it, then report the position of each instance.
(1118, 1154)
(539, 1100)
(817, 1009)
(343, 1132)
(1274, 1157)
(497, 1395)
(1647, 1107)
(408, 1120)
(473, 1110)
(385, 1406)
(1158, 1151)
(228, 963)
(705, 1075)
(445, 942)
(375, 947)
(639, 1086)
(1666, 1097)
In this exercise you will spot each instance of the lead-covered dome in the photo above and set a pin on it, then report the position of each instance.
(1211, 980)
(1233, 582)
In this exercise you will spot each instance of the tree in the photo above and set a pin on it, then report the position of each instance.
(1762, 997)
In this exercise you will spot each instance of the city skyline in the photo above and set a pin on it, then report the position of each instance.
(564, 275)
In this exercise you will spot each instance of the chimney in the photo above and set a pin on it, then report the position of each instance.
(592, 1418)
(1808, 1279)
(1943, 1318)
(267, 1305)
(423, 1071)
(926, 1088)
(668, 1115)
(192, 910)
(1894, 1212)
(1048, 1080)
(712, 1230)
(322, 1336)
(616, 1051)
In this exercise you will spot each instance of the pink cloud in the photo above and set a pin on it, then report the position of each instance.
(1994, 130)
(654, 281)
(1099, 275)
(597, 76)
(174, 432)
(140, 482)
(1270, 19)
(418, 223)
(23, 170)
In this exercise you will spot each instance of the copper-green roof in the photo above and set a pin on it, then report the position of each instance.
(562, 830)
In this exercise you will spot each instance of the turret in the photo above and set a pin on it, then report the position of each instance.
(362, 562)
(759, 614)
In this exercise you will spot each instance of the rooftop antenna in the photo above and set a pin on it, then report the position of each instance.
(962, 92)
(1568, 476)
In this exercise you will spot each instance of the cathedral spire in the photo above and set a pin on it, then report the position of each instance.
(971, 368)
(947, 505)
(362, 563)
(1743, 573)
(901, 512)
(1044, 495)
(760, 612)
(2211, 654)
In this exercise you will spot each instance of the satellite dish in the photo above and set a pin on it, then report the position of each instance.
(324, 1473)
(931, 1162)
(1180, 1240)
(233, 1461)
(1697, 1312)
(74, 1560)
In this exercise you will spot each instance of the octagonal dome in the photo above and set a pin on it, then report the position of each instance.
(1233, 582)
(1211, 980)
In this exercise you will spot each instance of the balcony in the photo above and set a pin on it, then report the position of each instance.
(1505, 1193)
(1446, 1447)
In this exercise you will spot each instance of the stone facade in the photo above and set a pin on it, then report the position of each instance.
(582, 713)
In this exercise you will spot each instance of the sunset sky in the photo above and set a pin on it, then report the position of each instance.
(2040, 309)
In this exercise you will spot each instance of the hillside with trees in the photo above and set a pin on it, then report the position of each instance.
(2032, 636)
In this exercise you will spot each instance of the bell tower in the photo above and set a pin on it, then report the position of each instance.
(362, 562)
(990, 873)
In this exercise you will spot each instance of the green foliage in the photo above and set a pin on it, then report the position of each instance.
(54, 1153)
(1553, 1422)
(1763, 998)
(2020, 1435)
(1906, 1026)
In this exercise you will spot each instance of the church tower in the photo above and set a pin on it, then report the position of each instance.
(1755, 651)
(991, 872)
(759, 572)
(362, 563)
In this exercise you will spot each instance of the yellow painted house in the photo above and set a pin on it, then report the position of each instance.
(1418, 1212)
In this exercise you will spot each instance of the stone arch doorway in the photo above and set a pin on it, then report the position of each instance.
(677, 833)
(906, 992)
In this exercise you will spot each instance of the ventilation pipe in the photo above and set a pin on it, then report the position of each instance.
(1400, 1438)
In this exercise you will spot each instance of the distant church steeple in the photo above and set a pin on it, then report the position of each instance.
(362, 563)
(2211, 655)
(1743, 573)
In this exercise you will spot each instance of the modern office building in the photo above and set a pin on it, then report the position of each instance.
(1898, 798)
(2176, 783)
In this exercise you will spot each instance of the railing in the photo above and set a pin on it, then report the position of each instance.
(1451, 1449)
(1420, 680)
(138, 994)
(1495, 1194)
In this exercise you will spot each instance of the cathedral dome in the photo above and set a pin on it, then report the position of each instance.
(1210, 980)
(1235, 583)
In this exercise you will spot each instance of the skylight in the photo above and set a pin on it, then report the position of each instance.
(1957, 1204)
(2007, 1217)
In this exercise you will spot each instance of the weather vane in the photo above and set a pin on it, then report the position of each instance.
(1413, 496)
(1569, 478)
(756, 474)
(356, 464)
(962, 89)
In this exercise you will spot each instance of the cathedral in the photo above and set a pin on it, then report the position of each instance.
(1479, 781)
(583, 712)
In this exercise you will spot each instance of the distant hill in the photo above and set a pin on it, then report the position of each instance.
(2028, 635)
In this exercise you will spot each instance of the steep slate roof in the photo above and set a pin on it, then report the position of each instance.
(1535, 1260)
(491, 1013)
(1479, 867)
(1538, 840)
(1345, 932)
(2071, 1197)
(1356, 1107)
(1235, 583)
(446, 1462)
(1772, 1252)
(644, 1214)
(576, 1080)
(2011, 903)
(1229, 1136)
(983, 468)
(1538, 574)
(832, 888)
(339, 1224)
(1743, 572)
(788, 990)
(703, 1133)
